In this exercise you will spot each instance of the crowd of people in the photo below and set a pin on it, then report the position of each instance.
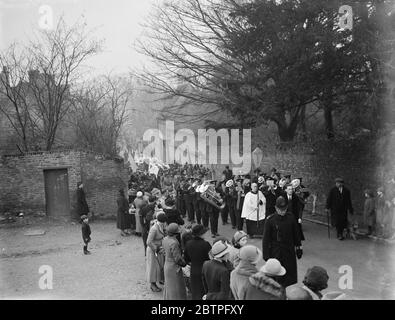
(174, 209)
(233, 197)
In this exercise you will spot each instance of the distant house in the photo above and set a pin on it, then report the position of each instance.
(8, 136)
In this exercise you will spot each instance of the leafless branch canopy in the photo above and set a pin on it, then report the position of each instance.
(40, 76)
(187, 41)
(100, 111)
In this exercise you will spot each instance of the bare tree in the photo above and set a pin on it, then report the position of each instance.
(57, 57)
(185, 42)
(204, 59)
(42, 77)
(14, 95)
(100, 111)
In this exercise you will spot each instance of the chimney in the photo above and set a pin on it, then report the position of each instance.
(33, 75)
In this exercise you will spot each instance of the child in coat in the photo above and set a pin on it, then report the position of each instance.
(86, 233)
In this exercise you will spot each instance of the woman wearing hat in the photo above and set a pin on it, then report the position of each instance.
(139, 202)
(316, 280)
(250, 256)
(174, 288)
(172, 214)
(155, 252)
(216, 275)
(239, 240)
(263, 284)
(123, 217)
(196, 253)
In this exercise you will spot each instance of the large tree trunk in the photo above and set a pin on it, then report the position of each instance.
(303, 123)
(328, 116)
(328, 121)
(286, 131)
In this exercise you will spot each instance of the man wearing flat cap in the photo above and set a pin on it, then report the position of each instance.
(339, 205)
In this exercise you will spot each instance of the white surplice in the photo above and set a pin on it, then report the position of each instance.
(250, 206)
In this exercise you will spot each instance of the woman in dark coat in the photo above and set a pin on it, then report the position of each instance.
(172, 213)
(123, 217)
(196, 253)
(216, 274)
(82, 205)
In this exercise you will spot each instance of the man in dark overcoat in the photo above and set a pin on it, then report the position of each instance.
(294, 207)
(82, 205)
(188, 198)
(228, 173)
(231, 202)
(281, 241)
(271, 193)
(180, 197)
(338, 204)
(123, 217)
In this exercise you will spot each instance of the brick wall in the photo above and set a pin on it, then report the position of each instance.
(103, 179)
(22, 180)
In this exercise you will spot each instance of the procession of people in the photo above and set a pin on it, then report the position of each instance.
(173, 209)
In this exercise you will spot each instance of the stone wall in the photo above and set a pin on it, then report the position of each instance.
(320, 164)
(22, 180)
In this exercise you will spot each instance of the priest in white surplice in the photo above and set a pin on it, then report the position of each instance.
(254, 210)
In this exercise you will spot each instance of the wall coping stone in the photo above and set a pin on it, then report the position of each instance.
(60, 151)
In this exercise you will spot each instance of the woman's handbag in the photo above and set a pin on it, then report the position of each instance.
(186, 271)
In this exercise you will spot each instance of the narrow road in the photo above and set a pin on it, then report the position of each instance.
(116, 268)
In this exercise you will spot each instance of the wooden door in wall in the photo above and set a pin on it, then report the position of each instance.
(57, 199)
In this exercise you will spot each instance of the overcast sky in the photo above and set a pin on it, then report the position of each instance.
(117, 22)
